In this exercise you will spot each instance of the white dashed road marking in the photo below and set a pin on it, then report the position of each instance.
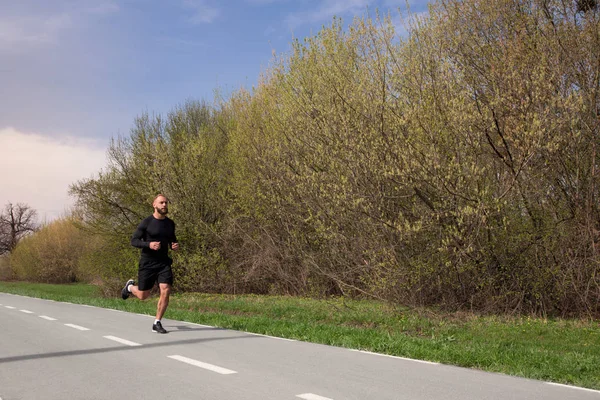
(225, 371)
(122, 341)
(312, 396)
(81, 328)
(210, 367)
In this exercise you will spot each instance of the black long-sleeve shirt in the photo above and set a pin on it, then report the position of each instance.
(154, 230)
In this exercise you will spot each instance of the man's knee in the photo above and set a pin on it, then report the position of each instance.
(165, 289)
(144, 294)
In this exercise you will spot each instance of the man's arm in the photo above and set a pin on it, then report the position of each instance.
(137, 240)
(174, 242)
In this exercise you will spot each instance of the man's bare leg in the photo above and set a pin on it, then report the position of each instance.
(140, 294)
(163, 301)
(131, 289)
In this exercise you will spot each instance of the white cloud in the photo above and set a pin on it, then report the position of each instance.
(32, 30)
(38, 170)
(327, 10)
(263, 2)
(202, 12)
(108, 7)
(21, 32)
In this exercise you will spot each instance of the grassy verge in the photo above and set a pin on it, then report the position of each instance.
(563, 351)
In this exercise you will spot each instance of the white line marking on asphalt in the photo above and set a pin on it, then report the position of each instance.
(573, 387)
(271, 337)
(81, 328)
(123, 341)
(214, 368)
(10, 307)
(26, 311)
(312, 396)
(195, 324)
(396, 357)
(47, 318)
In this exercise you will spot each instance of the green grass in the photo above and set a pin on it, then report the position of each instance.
(557, 350)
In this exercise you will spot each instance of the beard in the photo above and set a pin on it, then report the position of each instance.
(162, 211)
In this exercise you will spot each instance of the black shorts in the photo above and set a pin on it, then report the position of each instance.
(152, 271)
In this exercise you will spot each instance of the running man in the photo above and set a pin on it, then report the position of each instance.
(154, 235)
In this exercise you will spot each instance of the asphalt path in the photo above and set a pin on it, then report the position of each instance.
(52, 350)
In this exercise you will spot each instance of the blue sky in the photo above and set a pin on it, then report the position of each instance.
(75, 73)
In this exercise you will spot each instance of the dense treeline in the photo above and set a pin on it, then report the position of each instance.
(456, 165)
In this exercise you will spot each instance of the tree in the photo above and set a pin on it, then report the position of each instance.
(586, 5)
(16, 221)
(456, 166)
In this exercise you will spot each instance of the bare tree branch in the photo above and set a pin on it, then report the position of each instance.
(16, 221)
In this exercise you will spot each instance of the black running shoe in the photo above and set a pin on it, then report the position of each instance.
(157, 327)
(124, 292)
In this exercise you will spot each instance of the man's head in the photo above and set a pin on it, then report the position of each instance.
(161, 204)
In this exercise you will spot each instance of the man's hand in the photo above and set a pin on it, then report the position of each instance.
(175, 246)
(154, 245)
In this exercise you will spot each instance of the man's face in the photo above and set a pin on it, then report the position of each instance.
(161, 205)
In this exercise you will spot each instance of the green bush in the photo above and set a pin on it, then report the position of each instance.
(6, 273)
(54, 254)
